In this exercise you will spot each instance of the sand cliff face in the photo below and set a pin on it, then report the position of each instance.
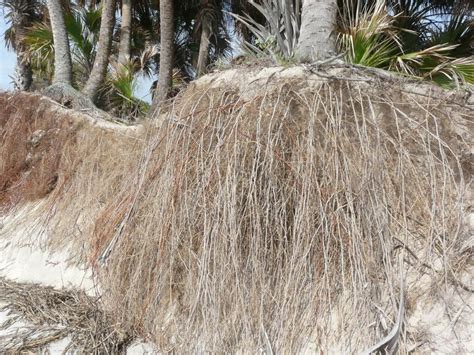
(37, 134)
(267, 209)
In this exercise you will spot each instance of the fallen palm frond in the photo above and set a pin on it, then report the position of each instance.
(47, 315)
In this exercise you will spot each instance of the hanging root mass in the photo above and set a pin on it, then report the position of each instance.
(276, 221)
(271, 219)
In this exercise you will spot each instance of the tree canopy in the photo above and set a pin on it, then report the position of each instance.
(430, 39)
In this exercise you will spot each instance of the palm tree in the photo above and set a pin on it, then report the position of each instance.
(189, 37)
(430, 39)
(97, 76)
(20, 14)
(317, 34)
(207, 17)
(213, 26)
(205, 24)
(125, 32)
(82, 26)
(166, 55)
(62, 53)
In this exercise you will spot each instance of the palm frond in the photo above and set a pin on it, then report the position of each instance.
(19, 14)
(283, 22)
(370, 35)
(145, 62)
(367, 34)
(120, 89)
(91, 18)
(83, 29)
(435, 64)
(453, 72)
(458, 30)
(40, 48)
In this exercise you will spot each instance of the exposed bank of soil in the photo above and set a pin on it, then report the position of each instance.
(270, 209)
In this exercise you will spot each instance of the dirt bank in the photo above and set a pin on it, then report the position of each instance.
(271, 209)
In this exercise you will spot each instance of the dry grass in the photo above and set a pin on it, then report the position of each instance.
(52, 315)
(271, 221)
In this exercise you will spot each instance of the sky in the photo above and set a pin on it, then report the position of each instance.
(8, 60)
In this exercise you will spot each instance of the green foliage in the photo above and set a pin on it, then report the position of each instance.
(121, 87)
(370, 35)
(82, 19)
(278, 36)
(82, 26)
(367, 35)
(434, 65)
(19, 14)
(120, 93)
(458, 30)
(424, 38)
(40, 48)
(429, 39)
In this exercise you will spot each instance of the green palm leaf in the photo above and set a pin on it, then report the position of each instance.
(40, 48)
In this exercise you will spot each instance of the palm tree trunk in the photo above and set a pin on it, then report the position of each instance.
(99, 70)
(23, 73)
(125, 32)
(23, 77)
(204, 47)
(317, 39)
(62, 53)
(166, 55)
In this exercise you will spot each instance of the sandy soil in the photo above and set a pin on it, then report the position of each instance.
(22, 259)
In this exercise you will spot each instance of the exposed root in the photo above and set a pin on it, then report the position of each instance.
(277, 207)
(34, 134)
(265, 211)
(69, 97)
